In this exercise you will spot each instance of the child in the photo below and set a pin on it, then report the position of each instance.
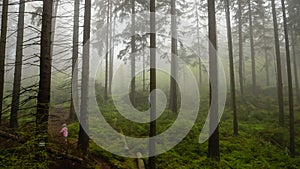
(64, 133)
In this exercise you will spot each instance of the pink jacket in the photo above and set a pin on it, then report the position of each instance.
(64, 131)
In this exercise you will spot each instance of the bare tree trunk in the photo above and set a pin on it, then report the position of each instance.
(252, 49)
(43, 99)
(295, 67)
(198, 46)
(83, 140)
(107, 53)
(290, 82)
(231, 67)
(111, 53)
(152, 145)
(3, 51)
(133, 49)
(18, 68)
(278, 62)
(174, 60)
(213, 143)
(265, 47)
(241, 57)
(74, 96)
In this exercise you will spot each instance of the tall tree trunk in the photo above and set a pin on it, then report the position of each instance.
(290, 82)
(241, 57)
(278, 63)
(174, 62)
(3, 51)
(252, 49)
(107, 53)
(18, 68)
(198, 45)
(133, 49)
(43, 99)
(265, 45)
(83, 140)
(231, 67)
(111, 53)
(213, 143)
(74, 96)
(295, 66)
(152, 146)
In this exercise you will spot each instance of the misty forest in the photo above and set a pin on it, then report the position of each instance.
(136, 84)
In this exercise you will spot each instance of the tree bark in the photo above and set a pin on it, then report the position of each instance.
(111, 47)
(295, 67)
(18, 68)
(278, 63)
(213, 143)
(290, 82)
(174, 59)
(152, 145)
(83, 140)
(241, 57)
(74, 96)
(43, 99)
(107, 53)
(198, 45)
(3, 52)
(231, 68)
(252, 49)
(133, 50)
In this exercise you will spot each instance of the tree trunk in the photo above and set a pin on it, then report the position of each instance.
(290, 82)
(3, 51)
(295, 67)
(18, 68)
(278, 63)
(83, 140)
(43, 99)
(174, 60)
(231, 67)
(111, 53)
(241, 57)
(198, 45)
(252, 49)
(213, 143)
(74, 96)
(107, 53)
(265, 46)
(133, 49)
(152, 146)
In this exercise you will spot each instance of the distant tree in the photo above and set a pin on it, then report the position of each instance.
(278, 63)
(83, 139)
(133, 51)
(174, 60)
(3, 51)
(213, 143)
(107, 52)
(241, 57)
(231, 68)
(290, 81)
(18, 67)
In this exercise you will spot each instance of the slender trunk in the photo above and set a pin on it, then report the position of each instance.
(74, 96)
(198, 45)
(133, 49)
(290, 82)
(18, 68)
(174, 62)
(107, 53)
(83, 140)
(278, 63)
(213, 143)
(231, 66)
(265, 47)
(111, 56)
(3, 51)
(295, 67)
(241, 57)
(152, 146)
(43, 99)
(144, 67)
(252, 49)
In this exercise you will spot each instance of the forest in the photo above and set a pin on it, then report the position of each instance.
(149, 84)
